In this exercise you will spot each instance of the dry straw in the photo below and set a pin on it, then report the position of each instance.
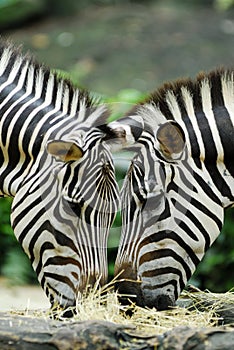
(103, 304)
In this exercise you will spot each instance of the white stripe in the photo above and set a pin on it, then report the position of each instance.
(5, 59)
(17, 88)
(65, 99)
(39, 83)
(208, 110)
(227, 82)
(12, 124)
(58, 104)
(173, 105)
(152, 115)
(74, 103)
(12, 75)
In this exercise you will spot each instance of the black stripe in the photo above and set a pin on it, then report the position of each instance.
(186, 228)
(186, 183)
(207, 212)
(33, 220)
(61, 261)
(174, 283)
(207, 138)
(59, 236)
(165, 253)
(193, 202)
(167, 234)
(63, 279)
(165, 271)
(195, 220)
(44, 247)
(226, 134)
(202, 183)
(195, 148)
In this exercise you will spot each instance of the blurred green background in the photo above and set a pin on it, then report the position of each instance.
(122, 50)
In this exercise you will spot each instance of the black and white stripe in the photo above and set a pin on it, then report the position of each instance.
(55, 161)
(178, 185)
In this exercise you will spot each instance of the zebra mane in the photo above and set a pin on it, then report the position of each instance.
(173, 100)
(73, 100)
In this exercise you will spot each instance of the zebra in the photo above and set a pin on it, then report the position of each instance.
(177, 186)
(56, 163)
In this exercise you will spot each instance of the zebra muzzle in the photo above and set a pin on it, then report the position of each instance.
(162, 302)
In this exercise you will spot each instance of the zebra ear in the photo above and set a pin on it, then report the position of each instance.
(171, 139)
(127, 131)
(65, 151)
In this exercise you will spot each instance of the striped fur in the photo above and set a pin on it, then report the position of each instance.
(55, 161)
(178, 185)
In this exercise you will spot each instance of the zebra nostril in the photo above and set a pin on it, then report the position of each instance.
(163, 302)
(129, 292)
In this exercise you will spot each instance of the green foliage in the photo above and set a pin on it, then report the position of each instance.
(223, 5)
(17, 12)
(13, 12)
(14, 264)
(7, 238)
(17, 266)
(123, 102)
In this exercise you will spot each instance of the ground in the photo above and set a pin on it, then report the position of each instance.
(21, 297)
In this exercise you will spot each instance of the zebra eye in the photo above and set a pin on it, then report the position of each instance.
(76, 207)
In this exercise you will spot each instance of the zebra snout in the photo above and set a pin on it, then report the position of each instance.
(163, 302)
(132, 289)
(127, 284)
(159, 301)
(129, 292)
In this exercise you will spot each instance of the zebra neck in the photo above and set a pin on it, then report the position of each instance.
(34, 105)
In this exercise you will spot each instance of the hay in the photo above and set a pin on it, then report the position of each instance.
(151, 321)
(102, 304)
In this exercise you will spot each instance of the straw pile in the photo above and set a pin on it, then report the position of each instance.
(102, 304)
(101, 322)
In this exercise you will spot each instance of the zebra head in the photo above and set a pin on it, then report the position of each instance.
(55, 161)
(74, 198)
(176, 188)
(88, 199)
